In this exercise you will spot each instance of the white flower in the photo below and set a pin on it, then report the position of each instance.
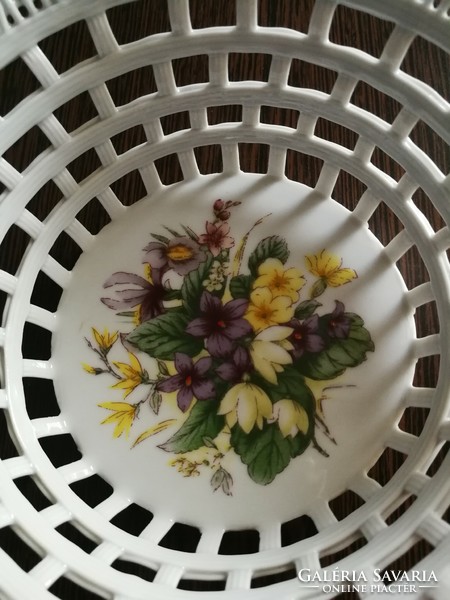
(291, 417)
(269, 351)
(246, 404)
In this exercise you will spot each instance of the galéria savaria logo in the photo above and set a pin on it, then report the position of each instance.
(379, 581)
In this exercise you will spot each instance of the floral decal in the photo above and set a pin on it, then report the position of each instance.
(235, 354)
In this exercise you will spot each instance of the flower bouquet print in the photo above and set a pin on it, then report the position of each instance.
(234, 335)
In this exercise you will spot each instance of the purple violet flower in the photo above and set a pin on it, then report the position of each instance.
(237, 367)
(181, 254)
(190, 380)
(148, 294)
(339, 323)
(220, 324)
(305, 337)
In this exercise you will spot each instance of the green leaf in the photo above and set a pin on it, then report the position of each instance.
(306, 309)
(172, 295)
(173, 232)
(164, 335)
(319, 287)
(161, 238)
(202, 422)
(269, 247)
(190, 232)
(192, 287)
(266, 452)
(340, 353)
(241, 286)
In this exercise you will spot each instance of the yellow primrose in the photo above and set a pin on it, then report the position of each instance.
(133, 375)
(123, 416)
(291, 417)
(269, 351)
(280, 281)
(246, 404)
(328, 267)
(105, 340)
(265, 310)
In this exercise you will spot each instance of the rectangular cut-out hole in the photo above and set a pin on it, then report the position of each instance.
(40, 398)
(132, 85)
(60, 449)
(285, 13)
(84, 165)
(432, 144)
(275, 115)
(240, 542)
(195, 585)
(132, 568)
(409, 559)
(181, 537)
(130, 188)
(27, 148)
(169, 169)
(33, 492)
(45, 200)
(303, 167)
(93, 216)
(130, 138)
(426, 319)
(71, 532)
(3, 300)
(66, 588)
(12, 249)
(65, 251)
(209, 159)
(20, 82)
(46, 292)
(412, 268)
(425, 205)
(59, 47)
(36, 342)
(387, 465)
(248, 66)
(400, 510)
(76, 112)
(140, 21)
(191, 69)
(254, 158)
(359, 30)
(212, 13)
(333, 132)
(307, 75)
(92, 490)
(426, 373)
(413, 419)
(228, 113)
(288, 573)
(8, 448)
(329, 559)
(348, 189)
(375, 102)
(427, 62)
(132, 519)
(175, 122)
(20, 551)
(384, 224)
(437, 461)
(344, 504)
(297, 529)
(387, 164)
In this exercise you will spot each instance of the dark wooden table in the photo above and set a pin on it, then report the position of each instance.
(133, 21)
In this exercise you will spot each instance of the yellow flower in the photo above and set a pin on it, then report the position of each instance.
(280, 282)
(105, 340)
(265, 310)
(133, 375)
(246, 404)
(123, 416)
(269, 351)
(88, 368)
(291, 417)
(328, 267)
